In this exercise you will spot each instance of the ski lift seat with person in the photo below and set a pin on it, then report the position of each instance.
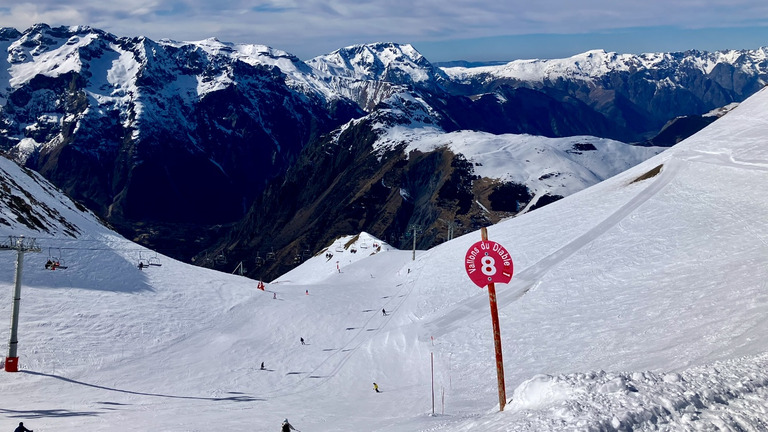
(153, 261)
(55, 261)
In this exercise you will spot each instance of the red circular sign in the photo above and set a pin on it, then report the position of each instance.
(488, 262)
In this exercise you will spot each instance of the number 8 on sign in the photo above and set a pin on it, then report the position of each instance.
(488, 268)
(488, 262)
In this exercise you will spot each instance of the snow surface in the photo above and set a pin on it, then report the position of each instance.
(636, 305)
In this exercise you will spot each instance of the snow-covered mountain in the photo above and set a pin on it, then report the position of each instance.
(394, 172)
(369, 74)
(593, 66)
(173, 142)
(29, 203)
(162, 133)
(639, 92)
(636, 304)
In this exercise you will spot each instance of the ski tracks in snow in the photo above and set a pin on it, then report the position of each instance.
(526, 279)
(335, 361)
(523, 281)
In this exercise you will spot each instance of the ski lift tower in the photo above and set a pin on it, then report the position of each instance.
(451, 228)
(416, 230)
(21, 245)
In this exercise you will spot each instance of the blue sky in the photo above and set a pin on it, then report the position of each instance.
(474, 30)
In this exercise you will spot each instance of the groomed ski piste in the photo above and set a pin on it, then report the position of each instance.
(637, 304)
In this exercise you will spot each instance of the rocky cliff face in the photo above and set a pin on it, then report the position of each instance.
(352, 190)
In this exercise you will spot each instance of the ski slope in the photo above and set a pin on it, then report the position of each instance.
(636, 304)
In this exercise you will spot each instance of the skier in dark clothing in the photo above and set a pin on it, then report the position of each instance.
(302, 341)
(287, 427)
(384, 312)
(21, 428)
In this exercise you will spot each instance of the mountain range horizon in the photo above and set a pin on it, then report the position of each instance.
(209, 151)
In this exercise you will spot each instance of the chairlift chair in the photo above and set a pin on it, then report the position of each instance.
(154, 261)
(55, 261)
(143, 262)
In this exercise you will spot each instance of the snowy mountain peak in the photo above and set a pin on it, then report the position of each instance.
(392, 62)
(250, 53)
(596, 64)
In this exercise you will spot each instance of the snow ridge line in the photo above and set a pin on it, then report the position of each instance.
(527, 278)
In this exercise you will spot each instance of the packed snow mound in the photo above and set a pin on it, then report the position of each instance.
(330, 260)
(726, 393)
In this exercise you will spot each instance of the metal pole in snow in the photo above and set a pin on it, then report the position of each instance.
(12, 361)
(432, 366)
(18, 243)
(442, 399)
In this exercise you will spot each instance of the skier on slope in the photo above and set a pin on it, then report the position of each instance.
(287, 427)
(21, 428)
